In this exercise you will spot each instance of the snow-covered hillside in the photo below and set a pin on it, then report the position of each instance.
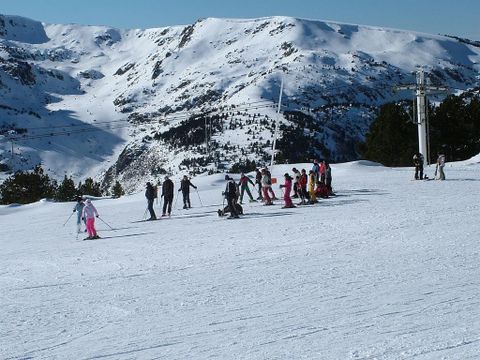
(388, 269)
(139, 90)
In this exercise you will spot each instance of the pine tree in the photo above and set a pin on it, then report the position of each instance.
(66, 190)
(90, 187)
(27, 187)
(455, 125)
(391, 139)
(117, 190)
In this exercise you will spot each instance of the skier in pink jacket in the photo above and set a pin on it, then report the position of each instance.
(288, 188)
(89, 213)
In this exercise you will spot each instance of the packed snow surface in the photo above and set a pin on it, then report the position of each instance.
(387, 269)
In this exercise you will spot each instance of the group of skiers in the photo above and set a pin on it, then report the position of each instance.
(151, 193)
(318, 183)
(307, 187)
(418, 162)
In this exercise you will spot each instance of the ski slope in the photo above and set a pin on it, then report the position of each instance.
(388, 269)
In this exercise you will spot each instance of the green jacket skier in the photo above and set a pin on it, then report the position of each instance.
(243, 184)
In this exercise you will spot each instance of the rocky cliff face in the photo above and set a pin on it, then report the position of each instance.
(135, 104)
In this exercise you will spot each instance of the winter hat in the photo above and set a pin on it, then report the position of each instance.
(227, 177)
(88, 201)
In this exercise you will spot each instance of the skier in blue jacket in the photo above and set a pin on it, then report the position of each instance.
(78, 209)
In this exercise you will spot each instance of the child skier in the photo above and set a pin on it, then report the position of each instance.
(312, 179)
(266, 184)
(243, 184)
(78, 209)
(258, 180)
(89, 213)
(328, 178)
(270, 189)
(288, 188)
(303, 187)
(296, 183)
(321, 170)
(440, 166)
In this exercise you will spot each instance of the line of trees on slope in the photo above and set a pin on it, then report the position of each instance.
(25, 187)
(454, 131)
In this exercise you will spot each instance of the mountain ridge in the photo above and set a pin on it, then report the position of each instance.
(156, 80)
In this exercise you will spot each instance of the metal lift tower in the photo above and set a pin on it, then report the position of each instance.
(421, 90)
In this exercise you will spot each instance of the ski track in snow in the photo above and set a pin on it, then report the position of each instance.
(388, 269)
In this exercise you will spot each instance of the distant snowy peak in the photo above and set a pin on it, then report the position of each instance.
(21, 29)
(123, 100)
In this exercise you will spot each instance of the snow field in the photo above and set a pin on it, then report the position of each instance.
(388, 269)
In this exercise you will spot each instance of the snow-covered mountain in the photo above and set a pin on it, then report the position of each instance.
(134, 104)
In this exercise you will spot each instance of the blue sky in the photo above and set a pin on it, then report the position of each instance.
(453, 17)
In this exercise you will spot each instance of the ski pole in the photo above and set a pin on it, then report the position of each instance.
(106, 223)
(175, 205)
(223, 205)
(199, 198)
(68, 219)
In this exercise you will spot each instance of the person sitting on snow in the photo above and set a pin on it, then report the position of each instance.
(231, 194)
(321, 190)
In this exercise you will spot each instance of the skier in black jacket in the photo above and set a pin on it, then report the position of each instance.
(418, 163)
(185, 189)
(231, 194)
(167, 194)
(151, 195)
